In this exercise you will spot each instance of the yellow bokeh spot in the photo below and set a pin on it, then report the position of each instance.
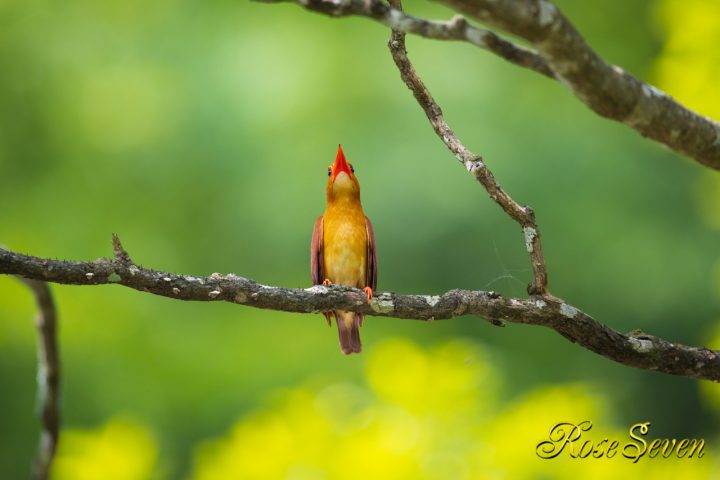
(516, 431)
(285, 442)
(121, 449)
(689, 65)
(448, 378)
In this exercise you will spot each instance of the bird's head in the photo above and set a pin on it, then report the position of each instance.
(342, 181)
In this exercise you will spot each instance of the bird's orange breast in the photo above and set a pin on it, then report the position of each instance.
(345, 244)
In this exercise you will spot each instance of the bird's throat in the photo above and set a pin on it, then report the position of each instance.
(343, 189)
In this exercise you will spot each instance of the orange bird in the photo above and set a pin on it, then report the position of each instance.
(343, 248)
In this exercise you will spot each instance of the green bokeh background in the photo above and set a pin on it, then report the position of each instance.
(200, 133)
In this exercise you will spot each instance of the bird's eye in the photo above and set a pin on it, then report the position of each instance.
(329, 171)
(352, 169)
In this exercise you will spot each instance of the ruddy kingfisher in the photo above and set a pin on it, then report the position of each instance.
(343, 248)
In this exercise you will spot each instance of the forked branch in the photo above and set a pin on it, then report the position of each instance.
(523, 215)
(560, 53)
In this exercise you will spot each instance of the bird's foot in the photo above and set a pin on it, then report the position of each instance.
(328, 315)
(368, 291)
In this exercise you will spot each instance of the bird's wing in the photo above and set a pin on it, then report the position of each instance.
(371, 267)
(316, 253)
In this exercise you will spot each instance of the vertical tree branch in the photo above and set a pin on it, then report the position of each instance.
(48, 378)
(523, 215)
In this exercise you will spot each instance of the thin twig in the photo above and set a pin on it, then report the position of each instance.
(635, 349)
(48, 377)
(457, 29)
(523, 215)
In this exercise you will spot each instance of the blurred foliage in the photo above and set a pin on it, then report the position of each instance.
(689, 69)
(200, 133)
(121, 449)
(424, 414)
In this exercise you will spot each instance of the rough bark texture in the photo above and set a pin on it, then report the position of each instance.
(562, 54)
(48, 378)
(635, 349)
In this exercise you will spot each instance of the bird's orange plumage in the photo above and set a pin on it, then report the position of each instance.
(343, 247)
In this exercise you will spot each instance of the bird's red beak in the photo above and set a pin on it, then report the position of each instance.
(340, 164)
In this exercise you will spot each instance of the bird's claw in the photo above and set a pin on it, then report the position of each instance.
(368, 291)
(327, 282)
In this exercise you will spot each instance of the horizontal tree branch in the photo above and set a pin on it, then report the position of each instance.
(562, 54)
(636, 349)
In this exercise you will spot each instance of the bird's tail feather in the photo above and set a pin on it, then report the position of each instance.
(349, 331)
